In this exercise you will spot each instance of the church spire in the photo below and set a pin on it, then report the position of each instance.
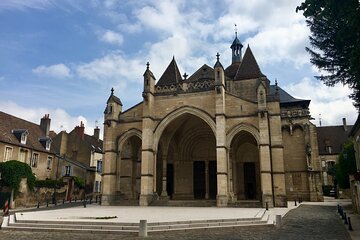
(236, 47)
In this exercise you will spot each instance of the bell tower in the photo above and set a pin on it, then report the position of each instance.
(236, 47)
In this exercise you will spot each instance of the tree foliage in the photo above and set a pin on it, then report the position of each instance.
(335, 41)
(13, 171)
(346, 165)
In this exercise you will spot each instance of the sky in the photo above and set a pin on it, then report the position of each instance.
(62, 57)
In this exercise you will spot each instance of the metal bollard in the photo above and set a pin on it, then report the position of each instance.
(96, 199)
(295, 202)
(344, 216)
(47, 204)
(38, 205)
(350, 227)
(143, 228)
(338, 208)
(90, 200)
(63, 201)
(278, 221)
(70, 200)
(75, 199)
(84, 203)
(267, 206)
(345, 219)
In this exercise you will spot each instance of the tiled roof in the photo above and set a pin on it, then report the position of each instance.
(333, 136)
(9, 123)
(249, 68)
(96, 144)
(114, 99)
(203, 73)
(231, 70)
(171, 75)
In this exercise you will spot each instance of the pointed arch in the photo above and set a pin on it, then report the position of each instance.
(126, 135)
(179, 112)
(242, 127)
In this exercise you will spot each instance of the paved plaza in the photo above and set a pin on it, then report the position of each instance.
(319, 221)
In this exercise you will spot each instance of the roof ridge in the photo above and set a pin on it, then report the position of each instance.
(20, 118)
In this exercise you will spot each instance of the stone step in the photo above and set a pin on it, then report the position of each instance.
(10, 223)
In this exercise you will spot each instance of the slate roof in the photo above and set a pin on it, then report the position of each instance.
(171, 75)
(114, 99)
(249, 68)
(9, 123)
(334, 136)
(287, 99)
(203, 73)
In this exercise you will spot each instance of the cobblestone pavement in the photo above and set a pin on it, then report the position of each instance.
(306, 222)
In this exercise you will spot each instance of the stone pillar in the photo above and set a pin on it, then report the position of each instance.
(110, 169)
(221, 150)
(265, 160)
(147, 148)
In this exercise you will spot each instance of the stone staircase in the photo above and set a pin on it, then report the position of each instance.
(11, 223)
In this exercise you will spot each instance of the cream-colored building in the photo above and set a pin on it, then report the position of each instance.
(226, 136)
(29, 143)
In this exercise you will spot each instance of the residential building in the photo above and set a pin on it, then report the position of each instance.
(29, 143)
(81, 155)
(331, 140)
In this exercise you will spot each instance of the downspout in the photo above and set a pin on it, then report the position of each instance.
(271, 159)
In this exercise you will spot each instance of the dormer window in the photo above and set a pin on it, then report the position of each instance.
(46, 142)
(21, 135)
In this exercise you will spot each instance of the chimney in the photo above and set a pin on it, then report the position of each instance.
(97, 132)
(45, 124)
(80, 130)
(344, 124)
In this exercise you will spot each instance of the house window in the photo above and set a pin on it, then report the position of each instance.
(328, 149)
(23, 155)
(48, 145)
(99, 166)
(34, 160)
(49, 163)
(67, 170)
(8, 153)
(24, 137)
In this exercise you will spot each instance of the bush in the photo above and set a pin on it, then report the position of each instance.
(346, 165)
(13, 171)
(79, 182)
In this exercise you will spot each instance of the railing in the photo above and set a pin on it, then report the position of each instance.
(206, 84)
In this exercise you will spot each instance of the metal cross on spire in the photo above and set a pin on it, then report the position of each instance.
(235, 30)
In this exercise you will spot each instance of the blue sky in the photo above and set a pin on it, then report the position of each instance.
(63, 56)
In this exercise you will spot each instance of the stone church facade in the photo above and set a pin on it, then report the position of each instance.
(225, 135)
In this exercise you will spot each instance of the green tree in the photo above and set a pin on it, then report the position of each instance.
(335, 41)
(346, 165)
(13, 171)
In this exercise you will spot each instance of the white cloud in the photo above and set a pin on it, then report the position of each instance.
(56, 71)
(112, 37)
(332, 103)
(60, 119)
(114, 66)
(22, 5)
